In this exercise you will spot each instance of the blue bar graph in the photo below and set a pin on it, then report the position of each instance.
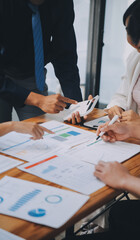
(74, 133)
(24, 199)
(49, 169)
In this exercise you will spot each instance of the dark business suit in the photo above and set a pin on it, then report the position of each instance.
(17, 51)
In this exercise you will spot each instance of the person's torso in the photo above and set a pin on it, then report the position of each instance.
(17, 37)
(136, 94)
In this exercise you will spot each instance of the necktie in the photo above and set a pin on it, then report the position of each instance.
(38, 47)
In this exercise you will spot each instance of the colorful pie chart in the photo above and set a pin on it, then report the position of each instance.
(37, 212)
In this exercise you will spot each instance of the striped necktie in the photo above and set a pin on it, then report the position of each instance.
(38, 47)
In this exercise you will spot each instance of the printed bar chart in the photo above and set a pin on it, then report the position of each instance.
(23, 200)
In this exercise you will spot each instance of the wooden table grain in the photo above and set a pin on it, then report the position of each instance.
(32, 231)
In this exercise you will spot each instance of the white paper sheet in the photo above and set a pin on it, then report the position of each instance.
(75, 169)
(94, 151)
(7, 163)
(84, 107)
(4, 235)
(67, 135)
(66, 171)
(64, 137)
(38, 203)
(12, 140)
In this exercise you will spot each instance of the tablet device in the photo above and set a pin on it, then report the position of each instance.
(84, 108)
(96, 122)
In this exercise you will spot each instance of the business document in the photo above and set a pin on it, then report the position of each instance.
(38, 203)
(4, 235)
(75, 169)
(67, 171)
(64, 137)
(93, 151)
(7, 163)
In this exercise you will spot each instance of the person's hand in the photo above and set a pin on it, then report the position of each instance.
(129, 115)
(49, 104)
(115, 110)
(33, 129)
(111, 173)
(75, 118)
(114, 132)
(55, 103)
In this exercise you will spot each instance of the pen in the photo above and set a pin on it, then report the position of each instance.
(114, 119)
(91, 103)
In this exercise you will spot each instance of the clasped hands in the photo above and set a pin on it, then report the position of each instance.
(124, 116)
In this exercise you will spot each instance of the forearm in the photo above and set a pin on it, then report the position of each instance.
(6, 128)
(132, 185)
(135, 133)
(134, 128)
(34, 99)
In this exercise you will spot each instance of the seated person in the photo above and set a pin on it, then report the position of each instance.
(31, 128)
(126, 102)
(127, 98)
(123, 216)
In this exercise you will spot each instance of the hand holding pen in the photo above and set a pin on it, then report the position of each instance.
(114, 119)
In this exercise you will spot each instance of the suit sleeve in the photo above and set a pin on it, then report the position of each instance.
(12, 93)
(64, 51)
(9, 91)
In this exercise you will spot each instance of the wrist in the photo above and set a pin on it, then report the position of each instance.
(126, 182)
(13, 125)
(128, 129)
(34, 99)
(132, 131)
(40, 100)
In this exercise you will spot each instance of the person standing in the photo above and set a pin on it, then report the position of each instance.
(32, 34)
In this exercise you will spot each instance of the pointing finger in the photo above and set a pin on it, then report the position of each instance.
(67, 100)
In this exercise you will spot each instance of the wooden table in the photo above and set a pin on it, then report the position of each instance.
(32, 231)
